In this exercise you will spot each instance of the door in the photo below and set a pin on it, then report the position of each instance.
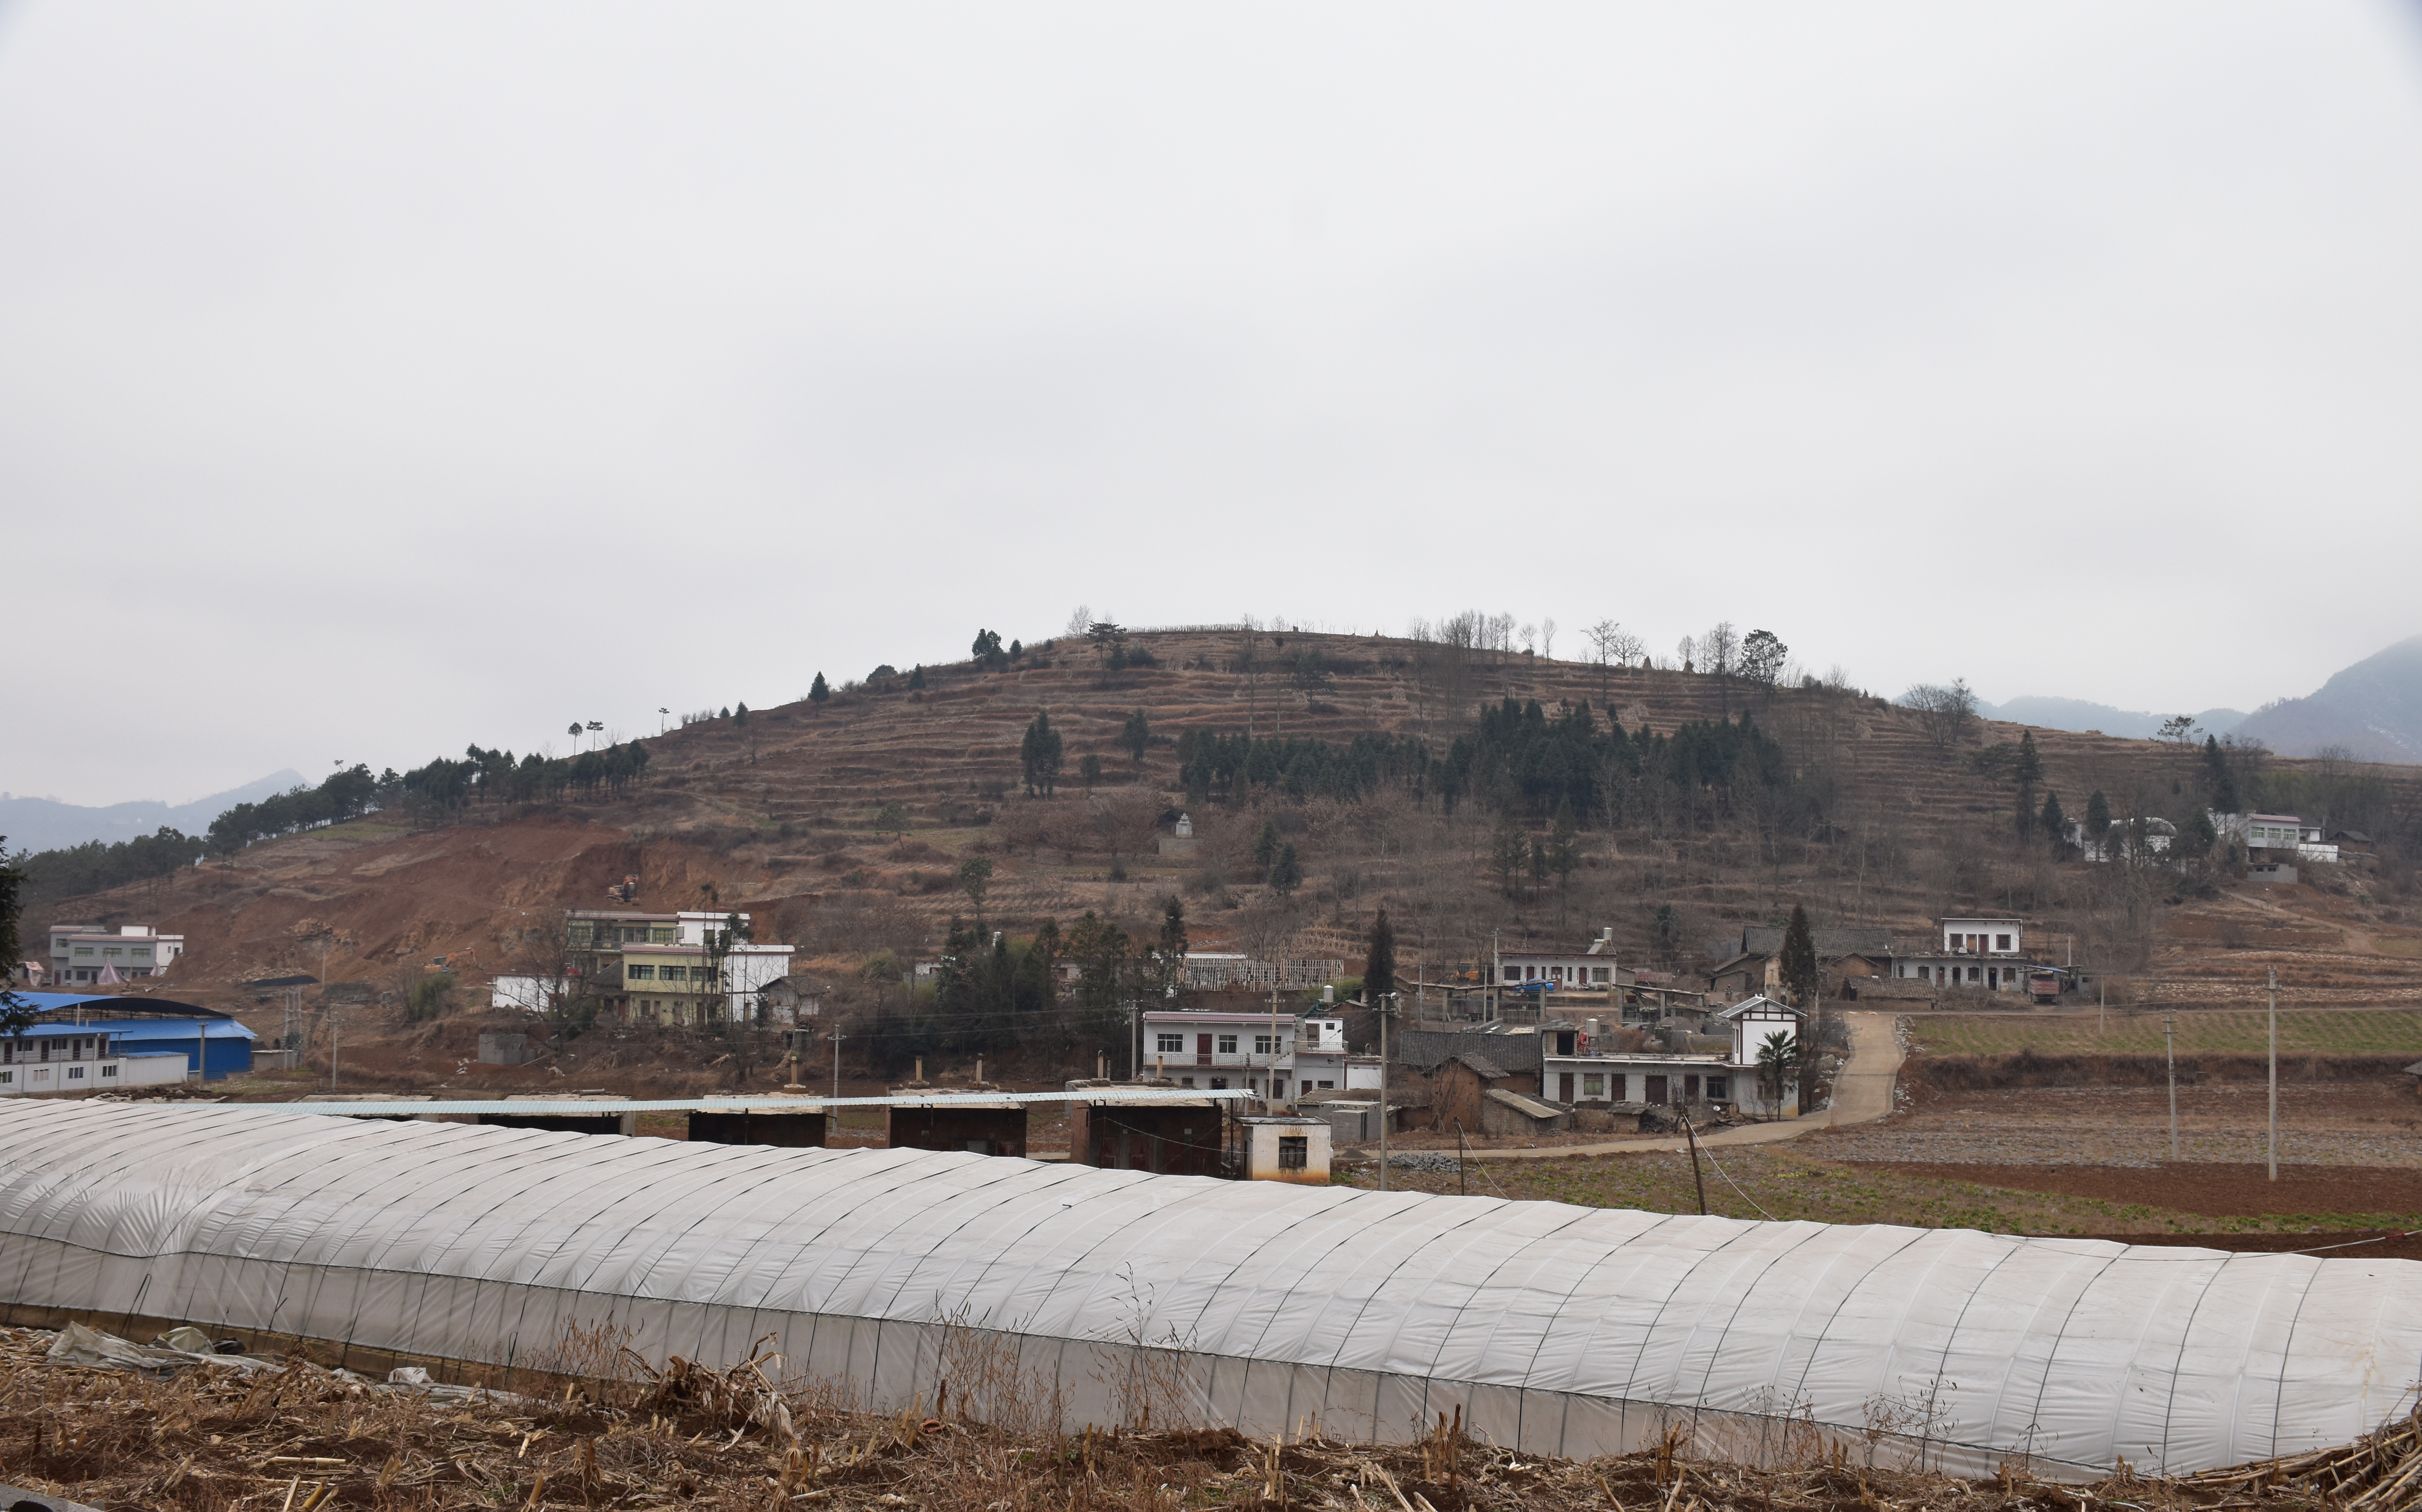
(1657, 1090)
(1564, 1087)
(1690, 1089)
(1201, 1049)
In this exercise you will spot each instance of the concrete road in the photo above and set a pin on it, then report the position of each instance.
(1862, 1093)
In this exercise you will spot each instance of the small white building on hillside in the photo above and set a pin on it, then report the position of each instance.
(81, 953)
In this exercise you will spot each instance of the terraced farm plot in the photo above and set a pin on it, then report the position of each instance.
(2304, 1031)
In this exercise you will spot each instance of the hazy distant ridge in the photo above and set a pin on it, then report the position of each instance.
(2372, 708)
(45, 823)
(2078, 713)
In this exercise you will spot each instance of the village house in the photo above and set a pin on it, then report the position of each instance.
(1988, 953)
(1593, 969)
(791, 1000)
(658, 968)
(91, 954)
(1747, 962)
(1215, 1049)
(1580, 1067)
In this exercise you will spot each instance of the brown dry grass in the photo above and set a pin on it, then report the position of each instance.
(304, 1439)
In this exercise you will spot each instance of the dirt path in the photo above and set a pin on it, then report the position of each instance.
(1862, 1093)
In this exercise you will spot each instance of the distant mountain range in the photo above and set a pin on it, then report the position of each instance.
(46, 824)
(2077, 714)
(2373, 709)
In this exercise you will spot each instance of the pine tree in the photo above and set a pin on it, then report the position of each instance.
(1136, 735)
(2097, 816)
(16, 1014)
(1039, 754)
(2056, 823)
(1265, 850)
(740, 714)
(2220, 779)
(1380, 970)
(1798, 966)
(818, 692)
(1286, 874)
(917, 676)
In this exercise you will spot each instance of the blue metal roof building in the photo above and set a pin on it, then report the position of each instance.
(212, 1042)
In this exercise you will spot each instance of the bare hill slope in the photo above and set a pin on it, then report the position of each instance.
(1886, 824)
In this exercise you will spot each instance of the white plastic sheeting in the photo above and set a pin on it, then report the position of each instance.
(1558, 1329)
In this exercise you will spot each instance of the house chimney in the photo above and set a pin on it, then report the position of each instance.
(979, 1070)
(1101, 1068)
(920, 1070)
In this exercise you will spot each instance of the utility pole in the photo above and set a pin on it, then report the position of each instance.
(837, 1037)
(1696, 1178)
(333, 1025)
(1385, 1003)
(2170, 1056)
(1270, 1081)
(2274, 1144)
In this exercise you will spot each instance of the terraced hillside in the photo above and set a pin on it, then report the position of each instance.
(1875, 821)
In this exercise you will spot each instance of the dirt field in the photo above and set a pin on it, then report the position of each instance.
(2128, 1032)
(2212, 1190)
(2333, 1124)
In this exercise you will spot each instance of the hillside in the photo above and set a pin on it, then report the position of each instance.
(1873, 820)
(2371, 711)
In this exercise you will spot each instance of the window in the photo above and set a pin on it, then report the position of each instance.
(1975, 973)
(1170, 1044)
(1265, 1044)
(112, 952)
(143, 953)
(6, 1078)
(1218, 1083)
(1718, 1088)
(83, 950)
(75, 1073)
(1513, 973)
(1594, 1088)
(1295, 1152)
(660, 933)
(1598, 973)
(1186, 1081)
(1227, 1044)
(635, 972)
(109, 1071)
(2001, 942)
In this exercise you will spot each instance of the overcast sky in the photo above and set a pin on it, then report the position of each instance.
(375, 380)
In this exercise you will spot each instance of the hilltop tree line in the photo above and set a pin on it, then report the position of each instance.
(1518, 759)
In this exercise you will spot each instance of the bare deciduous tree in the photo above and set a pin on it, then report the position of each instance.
(1947, 714)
